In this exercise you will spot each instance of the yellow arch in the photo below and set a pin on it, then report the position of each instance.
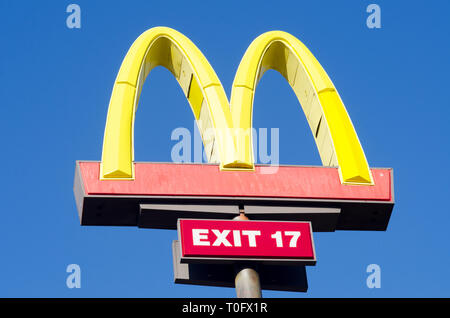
(166, 47)
(335, 136)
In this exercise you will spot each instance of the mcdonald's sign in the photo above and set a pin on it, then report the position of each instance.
(344, 193)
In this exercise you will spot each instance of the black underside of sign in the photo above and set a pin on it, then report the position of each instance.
(272, 277)
(163, 212)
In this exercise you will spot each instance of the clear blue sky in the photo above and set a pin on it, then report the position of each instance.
(55, 88)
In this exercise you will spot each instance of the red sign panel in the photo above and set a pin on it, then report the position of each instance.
(169, 179)
(246, 239)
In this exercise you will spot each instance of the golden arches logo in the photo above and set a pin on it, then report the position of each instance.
(335, 136)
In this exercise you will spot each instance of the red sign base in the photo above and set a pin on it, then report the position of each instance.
(161, 193)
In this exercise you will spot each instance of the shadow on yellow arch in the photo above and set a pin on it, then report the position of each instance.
(225, 130)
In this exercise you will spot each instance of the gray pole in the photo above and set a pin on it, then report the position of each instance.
(247, 278)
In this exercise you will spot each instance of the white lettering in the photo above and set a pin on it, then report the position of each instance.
(237, 238)
(198, 235)
(221, 238)
(251, 237)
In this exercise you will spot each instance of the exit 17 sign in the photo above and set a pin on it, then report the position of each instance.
(223, 241)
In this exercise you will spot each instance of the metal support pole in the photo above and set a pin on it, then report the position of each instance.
(247, 278)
